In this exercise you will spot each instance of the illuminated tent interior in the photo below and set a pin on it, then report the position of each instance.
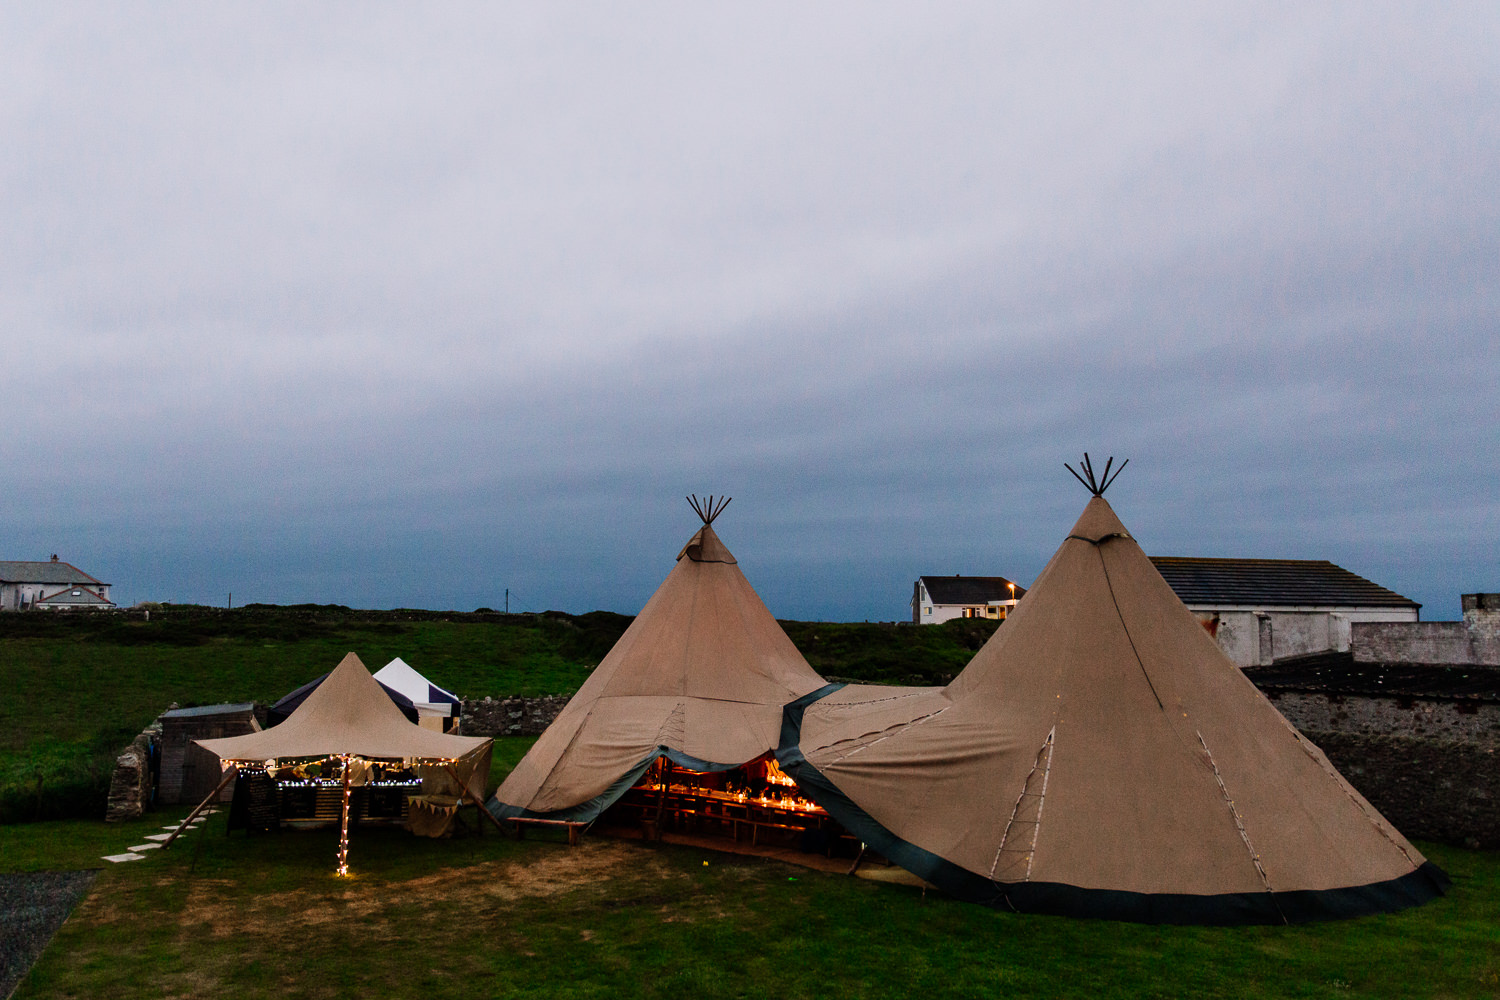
(1101, 757)
(677, 724)
(347, 734)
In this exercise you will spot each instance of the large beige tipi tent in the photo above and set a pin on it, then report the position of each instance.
(1100, 756)
(700, 678)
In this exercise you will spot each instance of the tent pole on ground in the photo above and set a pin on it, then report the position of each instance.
(465, 790)
(229, 773)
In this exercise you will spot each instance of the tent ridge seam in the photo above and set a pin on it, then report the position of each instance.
(888, 733)
(1239, 822)
(1041, 803)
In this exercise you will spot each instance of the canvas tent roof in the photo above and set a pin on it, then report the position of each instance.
(399, 676)
(1100, 756)
(292, 700)
(349, 713)
(700, 677)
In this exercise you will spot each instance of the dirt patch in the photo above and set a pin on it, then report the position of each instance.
(212, 905)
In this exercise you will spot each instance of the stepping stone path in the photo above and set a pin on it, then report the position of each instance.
(134, 851)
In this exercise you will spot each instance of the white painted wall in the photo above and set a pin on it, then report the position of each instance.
(1255, 636)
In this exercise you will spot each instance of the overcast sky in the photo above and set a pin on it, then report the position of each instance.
(405, 305)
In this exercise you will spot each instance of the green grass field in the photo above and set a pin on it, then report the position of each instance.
(264, 916)
(79, 687)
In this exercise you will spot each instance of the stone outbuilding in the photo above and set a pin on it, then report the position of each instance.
(188, 772)
(1263, 610)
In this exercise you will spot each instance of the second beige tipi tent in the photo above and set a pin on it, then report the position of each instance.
(1100, 756)
(700, 678)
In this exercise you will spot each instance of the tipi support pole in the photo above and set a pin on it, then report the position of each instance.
(229, 775)
(661, 800)
(344, 826)
(464, 790)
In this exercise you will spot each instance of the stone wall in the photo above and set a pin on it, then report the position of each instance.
(1414, 642)
(1473, 641)
(1429, 789)
(1446, 719)
(510, 716)
(130, 785)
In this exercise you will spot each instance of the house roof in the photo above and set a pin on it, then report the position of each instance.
(208, 711)
(969, 589)
(49, 571)
(76, 595)
(1273, 583)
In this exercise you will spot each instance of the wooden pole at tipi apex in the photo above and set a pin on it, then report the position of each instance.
(229, 773)
(1096, 485)
(706, 509)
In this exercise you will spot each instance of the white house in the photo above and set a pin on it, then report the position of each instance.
(938, 599)
(50, 585)
(1261, 610)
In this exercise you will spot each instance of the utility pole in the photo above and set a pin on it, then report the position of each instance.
(507, 600)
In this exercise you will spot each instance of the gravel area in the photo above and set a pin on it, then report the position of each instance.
(33, 905)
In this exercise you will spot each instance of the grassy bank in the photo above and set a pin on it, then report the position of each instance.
(249, 917)
(79, 687)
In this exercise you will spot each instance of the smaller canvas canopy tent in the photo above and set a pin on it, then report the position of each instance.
(699, 678)
(350, 717)
(433, 705)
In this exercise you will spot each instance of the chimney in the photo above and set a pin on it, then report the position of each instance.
(54, 557)
(1482, 616)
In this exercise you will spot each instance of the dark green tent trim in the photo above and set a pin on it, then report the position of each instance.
(1300, 906)
(587, 812)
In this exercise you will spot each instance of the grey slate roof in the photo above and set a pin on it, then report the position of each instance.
(969, 589)
(1273, 583)
(75, 597)
(209, 710)
(61, 573)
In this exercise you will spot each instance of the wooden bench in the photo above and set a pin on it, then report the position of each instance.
(574, 827)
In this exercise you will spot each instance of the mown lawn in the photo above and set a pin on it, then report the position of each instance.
(263, 916)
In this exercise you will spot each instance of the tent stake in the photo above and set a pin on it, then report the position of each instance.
(229, 773)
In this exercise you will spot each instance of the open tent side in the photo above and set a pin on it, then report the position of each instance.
(1101, 757)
